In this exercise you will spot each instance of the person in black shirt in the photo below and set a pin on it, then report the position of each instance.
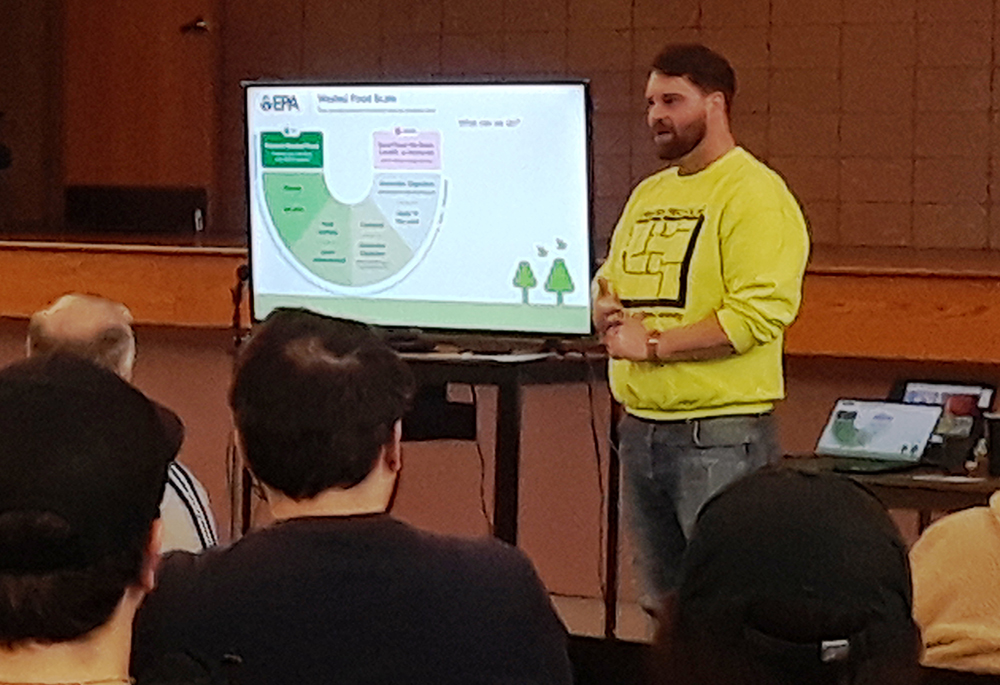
(337, 590)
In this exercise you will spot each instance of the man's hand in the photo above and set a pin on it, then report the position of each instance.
(624, 335)
(700, 341)
(628, 339)
(608, 311)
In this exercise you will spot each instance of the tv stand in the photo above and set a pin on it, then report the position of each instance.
(509, 373)
(407, 340)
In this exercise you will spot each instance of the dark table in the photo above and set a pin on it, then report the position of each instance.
(925, 490)
(509, 373)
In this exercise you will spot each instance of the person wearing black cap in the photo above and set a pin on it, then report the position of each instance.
(337, 590)
(83, 465)
(791, 578)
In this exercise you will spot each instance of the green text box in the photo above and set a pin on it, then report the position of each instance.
(302, 152)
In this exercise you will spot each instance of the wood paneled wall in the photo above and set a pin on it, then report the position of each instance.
(139, 93)
(30, 55)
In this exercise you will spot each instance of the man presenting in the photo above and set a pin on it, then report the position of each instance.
(703, 275)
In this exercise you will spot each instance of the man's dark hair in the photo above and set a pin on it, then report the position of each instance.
(63, 604)
(315, 399)
(703, 67)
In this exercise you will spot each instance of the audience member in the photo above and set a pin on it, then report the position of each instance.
(100, 330)
(83, 465)
(337, 590)
(956, 590)
(791, 578)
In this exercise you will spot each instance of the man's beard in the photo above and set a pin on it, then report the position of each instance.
(683, 141)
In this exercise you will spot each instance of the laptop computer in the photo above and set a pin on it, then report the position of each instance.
(876, 436)
(914, 391)
(971, 399)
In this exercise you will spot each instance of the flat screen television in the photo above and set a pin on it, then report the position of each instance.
(441, 207)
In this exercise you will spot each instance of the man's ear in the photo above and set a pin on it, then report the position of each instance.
(394, 450)
(151, 557)
(717, 101)
(126, 364)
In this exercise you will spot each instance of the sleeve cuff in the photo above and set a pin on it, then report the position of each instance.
(736, 330)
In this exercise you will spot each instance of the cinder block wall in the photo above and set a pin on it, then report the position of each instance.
(880, 113)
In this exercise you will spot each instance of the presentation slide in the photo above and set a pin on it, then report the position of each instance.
(443, 206)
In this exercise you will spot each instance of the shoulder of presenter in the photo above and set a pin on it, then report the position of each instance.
(763, 248)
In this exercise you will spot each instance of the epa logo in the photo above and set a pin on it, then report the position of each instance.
(279, 103)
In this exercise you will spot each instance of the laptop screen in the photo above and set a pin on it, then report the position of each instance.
(930, 392)
(961, 402)
(888, 431)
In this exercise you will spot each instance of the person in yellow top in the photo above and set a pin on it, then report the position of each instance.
(956, 601)
(703, 275)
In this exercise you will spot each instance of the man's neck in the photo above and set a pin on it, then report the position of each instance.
(709, 150)
(367, 497)
(373, 495)
(101, 655)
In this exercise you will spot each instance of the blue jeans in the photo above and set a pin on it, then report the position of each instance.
(670, 469)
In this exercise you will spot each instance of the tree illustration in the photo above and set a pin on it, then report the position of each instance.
(559, 281)
(525, 280)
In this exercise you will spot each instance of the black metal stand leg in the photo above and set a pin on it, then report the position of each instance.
(924, 519)
(611, 549)
(507, 461)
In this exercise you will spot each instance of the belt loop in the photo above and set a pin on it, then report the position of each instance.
(696, 432)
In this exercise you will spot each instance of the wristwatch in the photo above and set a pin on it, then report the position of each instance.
(652, 346)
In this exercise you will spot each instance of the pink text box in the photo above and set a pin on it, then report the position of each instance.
(407, 149)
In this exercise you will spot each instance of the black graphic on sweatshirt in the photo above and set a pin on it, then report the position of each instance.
(661, 244)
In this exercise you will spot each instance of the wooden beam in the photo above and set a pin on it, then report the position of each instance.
(179, 286)
(916, 317)
(901, 313)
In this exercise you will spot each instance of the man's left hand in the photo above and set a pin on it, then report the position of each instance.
(627, 340)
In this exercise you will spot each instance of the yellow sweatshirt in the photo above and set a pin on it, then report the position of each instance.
(956, 590)
(729, 240)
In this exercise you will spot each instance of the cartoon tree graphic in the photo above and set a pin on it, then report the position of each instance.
(525, 280)
(559, 281)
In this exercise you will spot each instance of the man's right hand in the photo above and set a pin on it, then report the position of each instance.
(608, 311)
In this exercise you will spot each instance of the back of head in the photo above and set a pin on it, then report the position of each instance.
(83, 462)
(793, 578)
(315, 399)
(88, 326)
(703, 67)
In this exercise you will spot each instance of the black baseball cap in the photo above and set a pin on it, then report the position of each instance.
(798, 570)
(79, 443)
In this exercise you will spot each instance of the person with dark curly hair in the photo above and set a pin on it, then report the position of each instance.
(337, 590)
